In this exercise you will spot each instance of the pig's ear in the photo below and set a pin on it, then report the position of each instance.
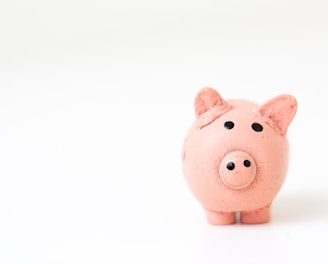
(279, 112)
(209, 105)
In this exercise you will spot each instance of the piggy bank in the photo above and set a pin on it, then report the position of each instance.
(235, 156)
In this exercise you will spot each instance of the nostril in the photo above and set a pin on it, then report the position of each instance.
(247, 163)
(230, 165)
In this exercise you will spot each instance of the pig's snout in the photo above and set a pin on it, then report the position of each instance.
(237, 170)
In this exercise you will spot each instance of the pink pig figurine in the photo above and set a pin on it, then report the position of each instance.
(235, 156)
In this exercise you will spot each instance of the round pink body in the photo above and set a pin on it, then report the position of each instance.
(235, 155)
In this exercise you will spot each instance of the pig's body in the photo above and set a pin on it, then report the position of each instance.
(235, 155)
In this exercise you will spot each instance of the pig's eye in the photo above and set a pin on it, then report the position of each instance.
(229, 125)
(257, 127)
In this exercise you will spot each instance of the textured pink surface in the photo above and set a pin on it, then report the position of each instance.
(237, 166)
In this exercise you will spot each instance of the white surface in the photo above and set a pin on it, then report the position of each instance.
(95, 101)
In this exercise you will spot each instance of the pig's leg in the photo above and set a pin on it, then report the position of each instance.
(259, 216)
(220, 218)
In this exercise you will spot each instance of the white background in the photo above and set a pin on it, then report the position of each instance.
(95, 100)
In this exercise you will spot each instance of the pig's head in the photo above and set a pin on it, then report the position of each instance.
(236, 153)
